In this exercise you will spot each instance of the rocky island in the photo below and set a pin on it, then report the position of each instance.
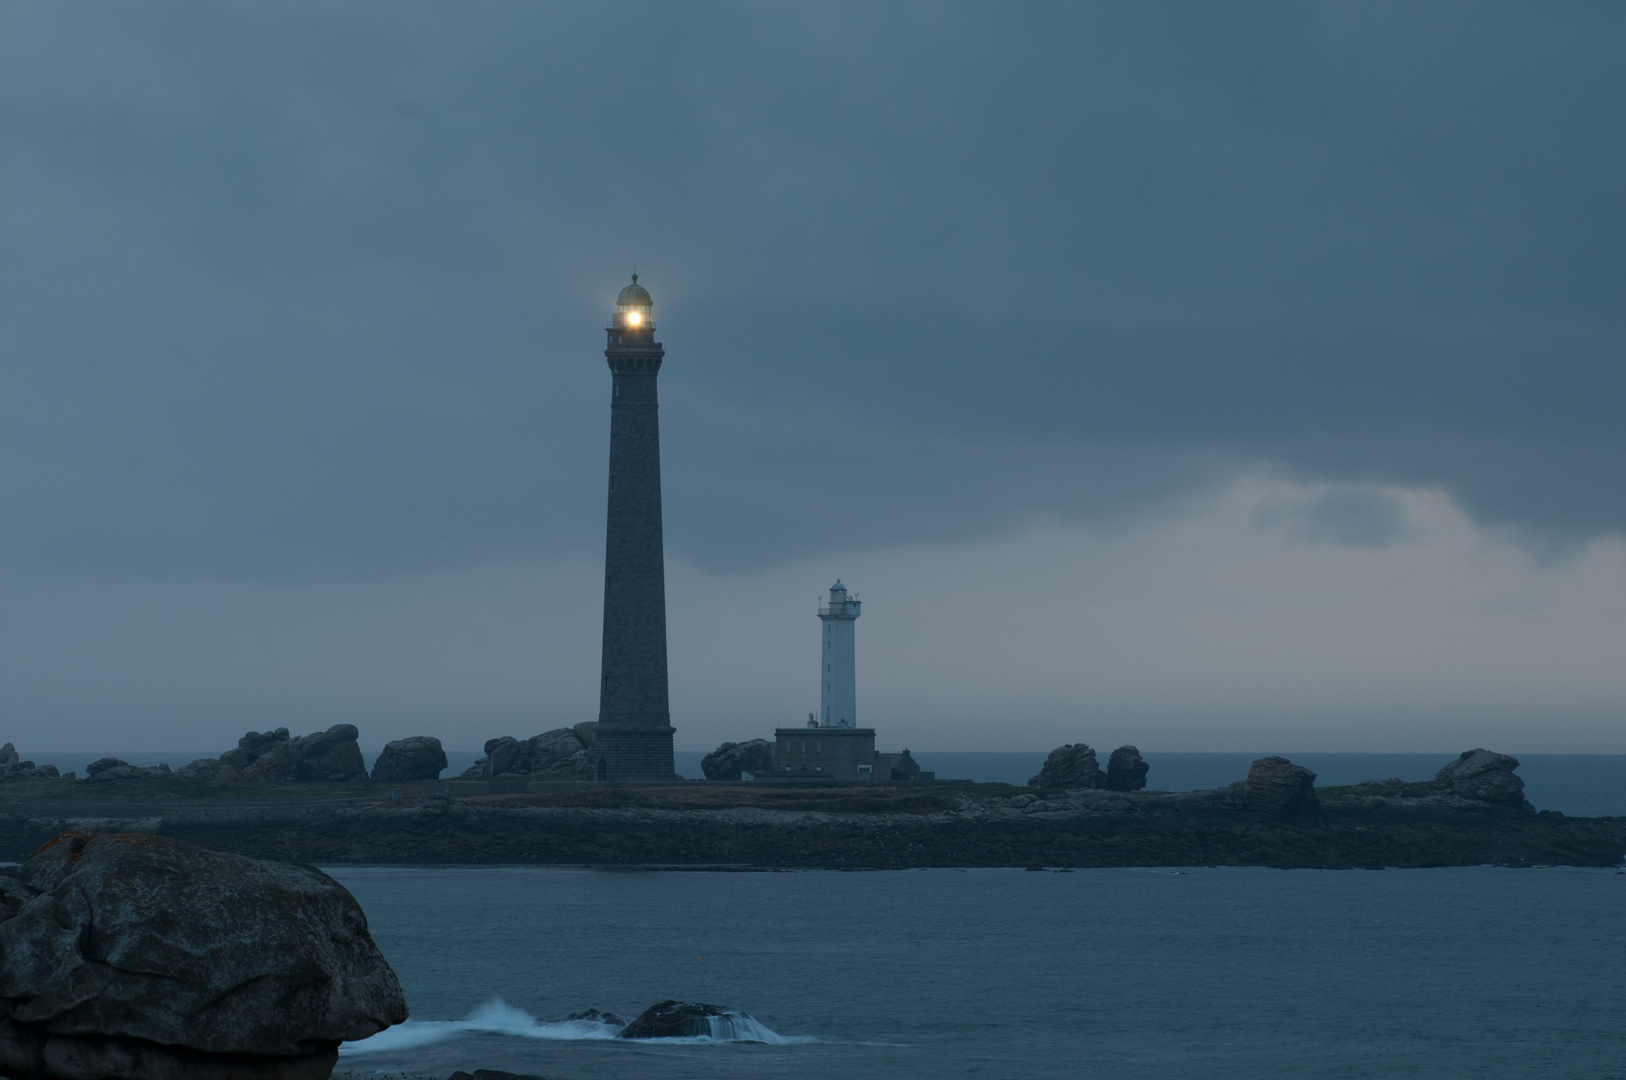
(1076, 815)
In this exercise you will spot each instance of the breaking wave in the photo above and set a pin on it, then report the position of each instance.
(497, 1017)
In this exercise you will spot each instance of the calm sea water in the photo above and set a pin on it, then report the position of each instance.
(1588, 785)
(1221, 973)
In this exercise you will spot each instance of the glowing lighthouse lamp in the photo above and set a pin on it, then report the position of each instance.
(634, 310)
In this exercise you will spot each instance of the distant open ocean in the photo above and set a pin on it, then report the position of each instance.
(1588, 785)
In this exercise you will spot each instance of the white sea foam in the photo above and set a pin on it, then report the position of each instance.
(737, 1027)
(497, 1017)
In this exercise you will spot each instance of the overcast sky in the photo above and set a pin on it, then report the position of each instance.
(1207, 377)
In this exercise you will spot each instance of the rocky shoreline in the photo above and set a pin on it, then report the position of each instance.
(1265, 821)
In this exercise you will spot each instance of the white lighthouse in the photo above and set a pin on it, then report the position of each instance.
(839, 697)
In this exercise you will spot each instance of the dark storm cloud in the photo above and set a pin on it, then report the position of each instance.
(312, 289)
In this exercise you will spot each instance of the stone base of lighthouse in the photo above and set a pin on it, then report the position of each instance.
(628, 754)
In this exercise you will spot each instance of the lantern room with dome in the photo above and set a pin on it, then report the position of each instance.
(634, 318)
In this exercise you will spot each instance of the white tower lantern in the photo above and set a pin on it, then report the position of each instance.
(839, 696)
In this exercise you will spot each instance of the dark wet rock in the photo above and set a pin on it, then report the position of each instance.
(730, 759)
(593, 1016)
(1070, 766)
(1126, 770)
(110, 770)
(277, 757)
(201, 769)
(1277, 786)
(675, 1020)
(561, 753)
(492, 1074)
(1486, 776)
(406, 760)
(144, 958)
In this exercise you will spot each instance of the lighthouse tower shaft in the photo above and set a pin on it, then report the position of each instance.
(838, 699)
(634, 737)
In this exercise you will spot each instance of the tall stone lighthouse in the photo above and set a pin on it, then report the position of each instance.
(634, 738)
(839, 699)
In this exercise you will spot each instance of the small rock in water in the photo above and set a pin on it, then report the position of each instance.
(593, 1016)
(676, 1020)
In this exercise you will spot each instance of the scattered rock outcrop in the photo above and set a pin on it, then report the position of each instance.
(404, 760)
(275, 756)
(1126, 770)
(564, 753)
(110, 770)
(144, 958)
(730, 759)
(12, 767)
(594, 1016)
(205, 768)
(1486, 776)
(1277, 786)
(675, 1020)
(1069, 766)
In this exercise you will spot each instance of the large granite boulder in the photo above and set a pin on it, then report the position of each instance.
(563, 752)
(12, 767)
(252, 746)
(204, 768)
(405, 760)
(110, 770)
(1070, 766)
(1484, 775)
(730, 759)
(275, 756)
(505, 754)
(1277, 786)
(1126, 770)
(143, 958)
